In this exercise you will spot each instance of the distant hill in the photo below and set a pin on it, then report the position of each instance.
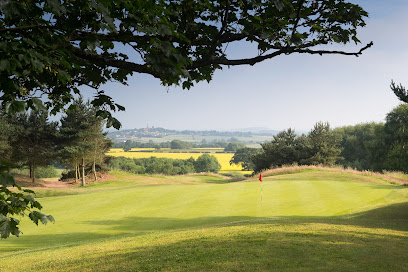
(158, 134)
(259, 130)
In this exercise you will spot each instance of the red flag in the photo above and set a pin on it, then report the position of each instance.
(260, 177)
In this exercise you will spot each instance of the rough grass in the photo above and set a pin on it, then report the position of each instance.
(313, 220)
(388, 177)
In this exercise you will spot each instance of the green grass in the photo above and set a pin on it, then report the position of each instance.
(307, 221)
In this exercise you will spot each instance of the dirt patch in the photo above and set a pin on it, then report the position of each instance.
(25, 181)
(57, 184)
(89, 179)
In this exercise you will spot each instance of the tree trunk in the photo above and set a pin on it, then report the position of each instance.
(77, 169)
(33, 173)
(76, 172)
(83, 172)
(94, 170)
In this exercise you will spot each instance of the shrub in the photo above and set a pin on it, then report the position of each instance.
(46, 172)
(207, 163)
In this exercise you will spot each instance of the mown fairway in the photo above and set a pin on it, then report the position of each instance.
(223, 158)
(307, 221)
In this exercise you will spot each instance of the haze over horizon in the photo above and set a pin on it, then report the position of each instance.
(293, 91)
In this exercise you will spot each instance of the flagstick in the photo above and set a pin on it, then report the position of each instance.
(260, 179)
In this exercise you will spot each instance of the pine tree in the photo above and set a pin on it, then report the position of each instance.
(82, 139)
(34, 140)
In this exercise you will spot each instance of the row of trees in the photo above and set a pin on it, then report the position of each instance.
(319, 146)
(370, 146)
(165, 166)
(377, 146)
(178, 144)
(31, 140)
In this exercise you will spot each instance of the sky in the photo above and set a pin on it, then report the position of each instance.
(293, 91)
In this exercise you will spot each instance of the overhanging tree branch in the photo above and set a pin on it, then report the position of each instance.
(332, 52)
(287, 50)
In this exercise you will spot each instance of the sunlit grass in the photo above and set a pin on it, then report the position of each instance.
(296, 244)
(307, 221)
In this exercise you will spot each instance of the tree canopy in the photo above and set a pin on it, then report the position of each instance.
(244, 157)
(34, 140)
(396, 128)
(234, 146)
(49, 49)
(178, 144)
(207, 163)
(363, 146)
(320, 146)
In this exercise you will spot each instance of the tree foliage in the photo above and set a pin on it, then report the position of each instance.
(178, 144)
(323, 145)
(129, 144)
(284, 149)
(363, 146)
(34, 140)
(400, 91)
(396, 129)
(53, 47)
(14, 203)
(207, 163)
(244, 157)
(320, 146)
(165, 166)
(234, 146)
(82, 137)
(6, 132)
(153, 165)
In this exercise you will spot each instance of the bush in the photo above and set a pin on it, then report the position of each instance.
(46, 172)
(207, 163)
(153, 165)
(164, 166)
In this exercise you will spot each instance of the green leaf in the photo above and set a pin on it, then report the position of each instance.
(6, 180)
(4, 65)
(279, 4)
(16, 107)
(8, 226)
(40, 217)
(37, 104)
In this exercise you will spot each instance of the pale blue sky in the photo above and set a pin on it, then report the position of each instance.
(288, 91)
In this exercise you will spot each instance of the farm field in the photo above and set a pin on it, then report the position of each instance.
(307, 221)
(223, 158)
(197, 138)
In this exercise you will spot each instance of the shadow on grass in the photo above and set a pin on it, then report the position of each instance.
(375, 240)
(254, 251)
(259, 244)
(393, 217)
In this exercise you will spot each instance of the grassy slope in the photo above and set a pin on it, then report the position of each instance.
(308, 220)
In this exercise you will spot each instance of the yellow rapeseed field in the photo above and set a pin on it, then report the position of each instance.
(223, 158)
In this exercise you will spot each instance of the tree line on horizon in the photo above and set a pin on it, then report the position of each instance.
(369, 146)
(30, 140)
(177, 144)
